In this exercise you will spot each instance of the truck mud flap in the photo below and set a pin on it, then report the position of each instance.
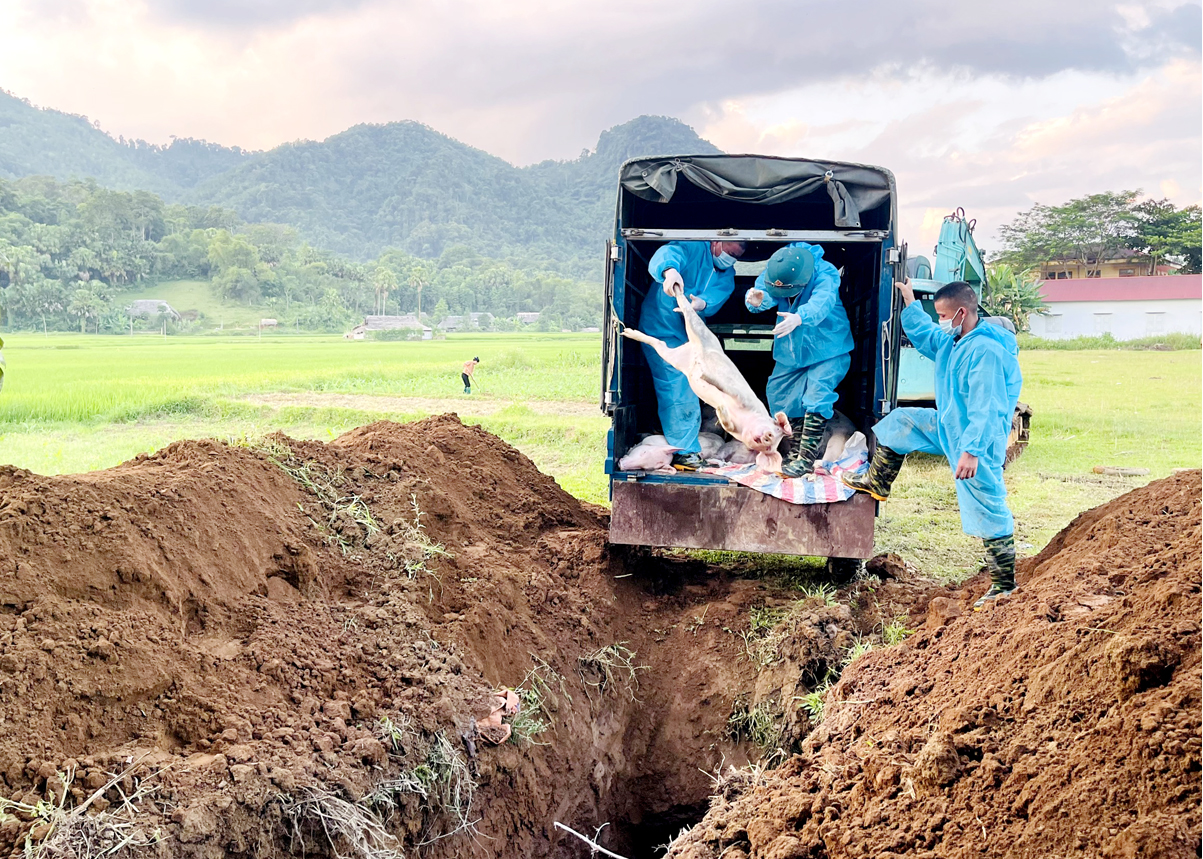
(735, 518)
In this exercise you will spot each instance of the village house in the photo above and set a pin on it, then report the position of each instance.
(151, 308)
(1126, 307)
(1123, 262)
(391, 323)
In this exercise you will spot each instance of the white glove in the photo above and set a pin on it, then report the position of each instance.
(672, 282)
(755, 297)
(698, 304)
(787, 323)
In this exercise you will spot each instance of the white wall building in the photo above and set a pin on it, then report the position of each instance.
(1127, 308)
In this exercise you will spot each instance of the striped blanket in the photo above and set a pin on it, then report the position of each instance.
(822, 487)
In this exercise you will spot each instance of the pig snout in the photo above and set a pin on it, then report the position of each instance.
(766, 439)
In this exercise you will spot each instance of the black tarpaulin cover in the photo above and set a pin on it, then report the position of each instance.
(853, 188)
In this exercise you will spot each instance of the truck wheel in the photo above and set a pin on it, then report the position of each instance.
(843, 570)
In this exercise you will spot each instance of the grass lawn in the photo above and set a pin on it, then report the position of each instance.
(75, 403)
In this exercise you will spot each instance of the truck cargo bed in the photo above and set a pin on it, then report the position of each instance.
(731, 517)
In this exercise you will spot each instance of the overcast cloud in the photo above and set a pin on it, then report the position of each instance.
(987, 105)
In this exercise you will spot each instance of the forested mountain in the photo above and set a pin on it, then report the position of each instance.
(405, 185)
(42, 142)
(74, 255)
(372, 187)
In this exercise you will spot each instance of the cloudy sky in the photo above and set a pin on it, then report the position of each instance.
(988, 105)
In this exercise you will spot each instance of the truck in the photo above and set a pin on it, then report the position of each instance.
(849, 209)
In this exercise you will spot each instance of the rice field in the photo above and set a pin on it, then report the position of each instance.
(75, 403)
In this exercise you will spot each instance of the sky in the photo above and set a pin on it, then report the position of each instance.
(990, 106)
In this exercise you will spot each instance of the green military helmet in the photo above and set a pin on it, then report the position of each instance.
(788, 272)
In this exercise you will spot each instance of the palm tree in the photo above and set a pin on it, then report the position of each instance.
(419, 276)
(384, 281)
(1015, 295)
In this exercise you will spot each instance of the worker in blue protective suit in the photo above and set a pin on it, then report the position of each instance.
(703, 271)
(812, 348)
(977, 387)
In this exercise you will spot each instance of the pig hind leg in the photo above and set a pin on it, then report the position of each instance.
(678, 357)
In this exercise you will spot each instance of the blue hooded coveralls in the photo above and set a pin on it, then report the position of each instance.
(679, 407)
(813, 359)
(977, 386)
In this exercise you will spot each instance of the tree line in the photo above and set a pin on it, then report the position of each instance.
(1089, 231)
(72, 252)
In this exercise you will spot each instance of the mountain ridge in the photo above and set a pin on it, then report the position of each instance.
(371, 186)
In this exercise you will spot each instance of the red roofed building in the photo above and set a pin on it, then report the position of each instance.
(1127, 308)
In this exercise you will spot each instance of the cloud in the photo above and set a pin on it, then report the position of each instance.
(986, 105)
(989, 144)
(247, 14)
(527, 81)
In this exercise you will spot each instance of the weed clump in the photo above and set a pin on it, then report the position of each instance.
(609, 665)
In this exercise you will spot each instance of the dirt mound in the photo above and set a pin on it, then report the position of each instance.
(1063, 721)
(224, 650)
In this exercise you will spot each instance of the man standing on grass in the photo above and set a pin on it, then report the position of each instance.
(466, 375)
(977, 387)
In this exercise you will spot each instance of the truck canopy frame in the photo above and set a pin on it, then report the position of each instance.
(848, 209)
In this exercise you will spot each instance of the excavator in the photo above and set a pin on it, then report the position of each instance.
(957, 258)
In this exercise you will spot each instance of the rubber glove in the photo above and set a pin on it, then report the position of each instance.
(672, 282)
(755, 297)
(787, 323)
(696, 303)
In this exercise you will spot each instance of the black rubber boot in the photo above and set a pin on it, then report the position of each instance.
(688, 461)
(1000, 561)
(809, 440)
(794, 441)
(882, 471)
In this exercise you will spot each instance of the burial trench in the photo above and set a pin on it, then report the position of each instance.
(250, 632)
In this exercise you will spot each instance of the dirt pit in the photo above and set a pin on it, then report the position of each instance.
(1063, 721)
(296, 649)
(287, 649)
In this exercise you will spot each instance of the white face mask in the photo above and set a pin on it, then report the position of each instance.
(948, 328)
(724, 261)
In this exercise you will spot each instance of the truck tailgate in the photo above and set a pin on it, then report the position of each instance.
(736, 518)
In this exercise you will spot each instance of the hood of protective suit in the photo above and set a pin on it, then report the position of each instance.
(997, 333)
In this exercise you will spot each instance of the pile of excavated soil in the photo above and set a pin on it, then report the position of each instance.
(221, 650)
(1063, 721)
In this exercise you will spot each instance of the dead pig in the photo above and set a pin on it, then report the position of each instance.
(651, 454)
(735, 453)
(715, 379)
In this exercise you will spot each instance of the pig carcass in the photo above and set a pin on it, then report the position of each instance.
(835, 437)
(714, 378)
(709, 444)
(734, 453)
(651, 454)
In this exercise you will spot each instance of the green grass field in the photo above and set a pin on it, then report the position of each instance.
(74, 403)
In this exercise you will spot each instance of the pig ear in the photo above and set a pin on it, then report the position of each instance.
(783, 422)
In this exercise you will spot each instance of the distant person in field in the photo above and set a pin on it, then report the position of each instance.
(466, 375)
(977, 387)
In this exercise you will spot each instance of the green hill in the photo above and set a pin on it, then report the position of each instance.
(44, 142)
(190, 297)
(370, 187)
